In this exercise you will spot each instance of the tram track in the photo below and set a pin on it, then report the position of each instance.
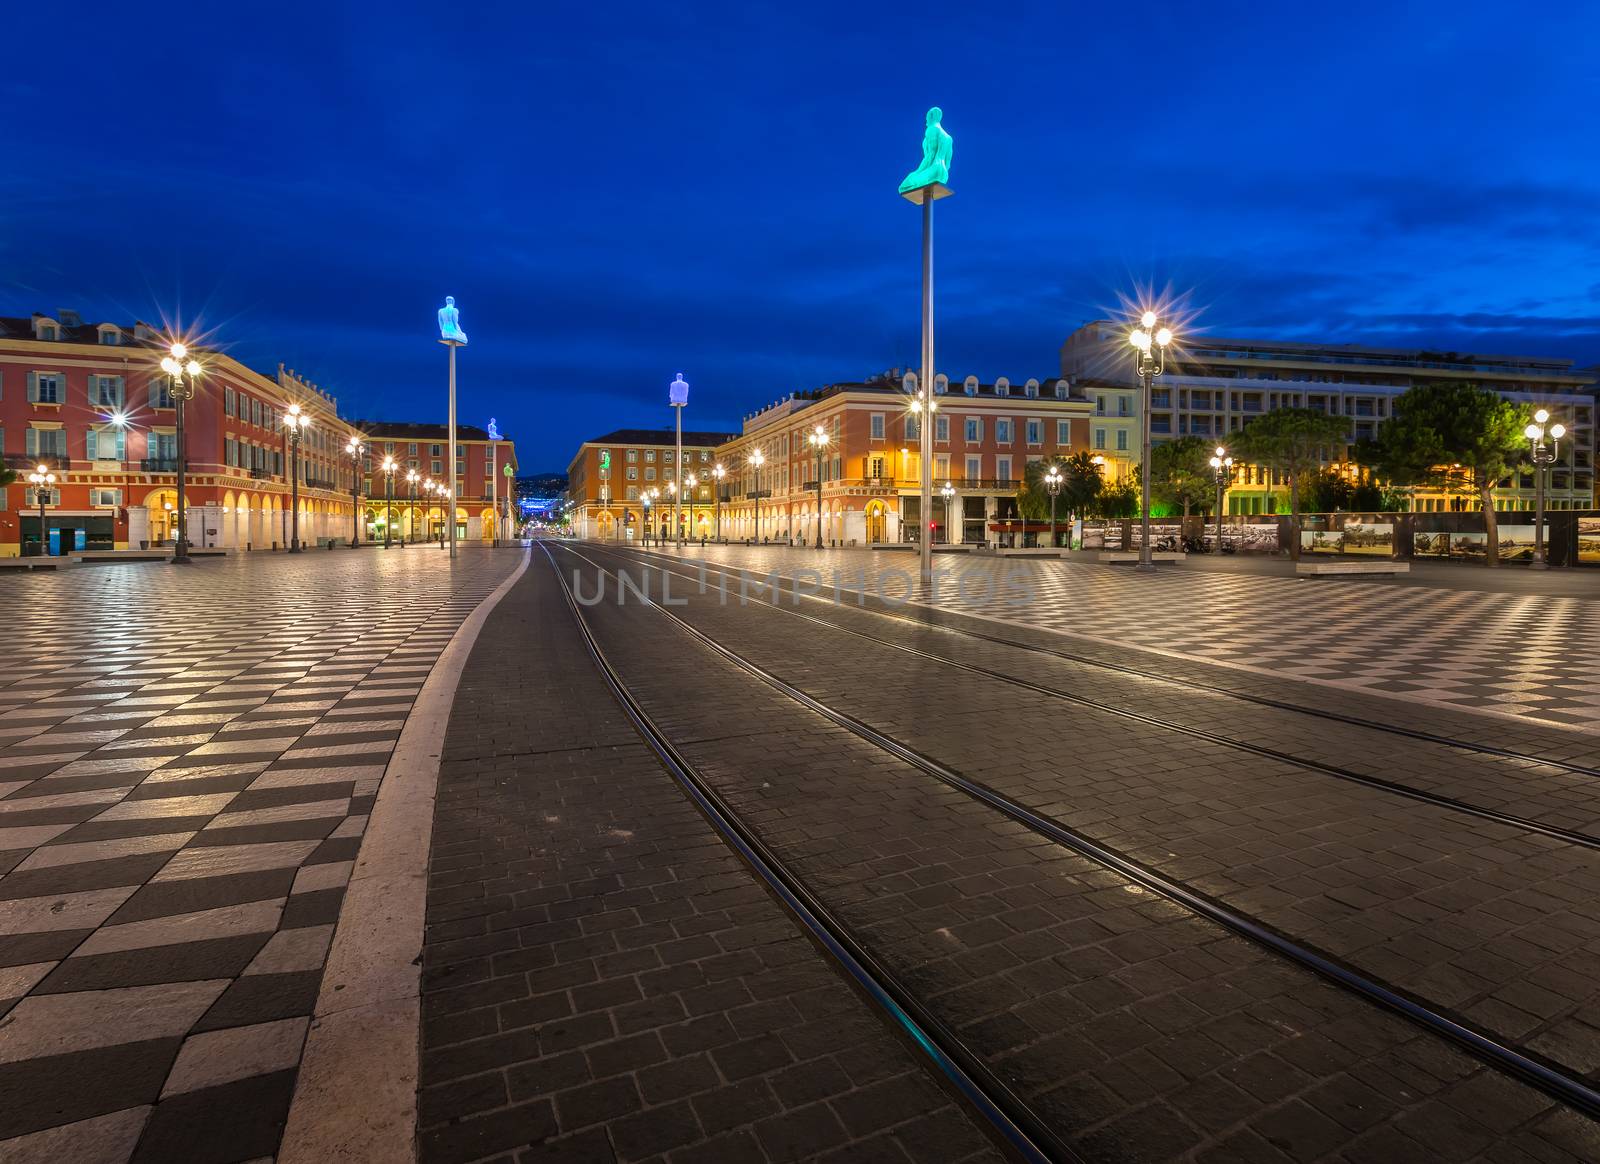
(1028, 1135)
(1560, 1084)
(1393, 787)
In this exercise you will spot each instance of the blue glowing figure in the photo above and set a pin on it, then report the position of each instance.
(936, 146)
(450, 322)
(678, 391)
(494, 432)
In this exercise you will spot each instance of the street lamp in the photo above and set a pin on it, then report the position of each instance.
(719, 473)
(185, 375)
(948, 492)
(295, 422)
(389, 466)
(1544, 455)
(1150, 347)
(689, 484)
(818, 440)
(757, 459)
(1052, 485)
(644, 534)
(411, 510)
(41, 479)
(1222, 466)
(355, 448)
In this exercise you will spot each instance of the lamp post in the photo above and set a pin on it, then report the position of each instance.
(356, 449)
(185, 373)
(389, 467)
(1150, 347)
(948, 492)
(645, 533)
(719, 473)
(817, 438)
(689, 484)
(1222, 465)
(757, 459)
(451, 335)
(923, 406)
(1052, 485)
(411, 508)
(511, 497)
(678, 396)
(294, 422)
(41, 479)
(1544, 455)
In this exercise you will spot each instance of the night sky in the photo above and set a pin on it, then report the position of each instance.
(614, 192)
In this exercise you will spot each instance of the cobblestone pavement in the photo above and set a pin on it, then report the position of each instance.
(603, 978)
(1523, 656)
(1139, 1031)
(187, 758)
(1497, 924)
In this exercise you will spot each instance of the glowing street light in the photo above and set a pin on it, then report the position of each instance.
(817, 438)
(41, 479)
(295, 422)
(757, 459)
(185, 374)
(1052, 485)
(951, 526)
(719, 473)
(689, 484)
(389, 466)
(411, 510)
(1544, 455)
(1150, 354)
(1222, 466)
(356, 449)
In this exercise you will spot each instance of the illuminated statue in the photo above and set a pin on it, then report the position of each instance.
(494, 433)
(450, 322)
(935, 155)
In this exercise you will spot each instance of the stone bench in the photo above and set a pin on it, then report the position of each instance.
(1133, 555)
(39, 563)
(1381, 566)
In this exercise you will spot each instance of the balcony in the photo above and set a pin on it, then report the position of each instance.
(159, 465)
(260, 474)
(48, 460)
(319, 483)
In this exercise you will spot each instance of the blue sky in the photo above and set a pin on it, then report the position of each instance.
(615, 192)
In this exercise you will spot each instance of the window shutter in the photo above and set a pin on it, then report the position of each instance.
(118, 390)
(91, 445)
(122, 445)
(33, 439)
(155, 394)
(33, 386)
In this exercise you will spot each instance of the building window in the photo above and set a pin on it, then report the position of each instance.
(110, 336)
(1035, 432)
(46, 442)
(633, 472)
(633, 454)
(105, 391)
(1002, 432)
(45, 387)
(105, 444)
(650, 455)
(105, 498)
(229, 406)
(974, 432)
(412, 448)
(941, 466)
(705, 456)
(974, 468)
(438, 467)
(913, 428)
(1002, 468)
(1099, 438)
(30, 497)
(876, 468)
(1122, 440)
(1063, 432)
(941, 428)
(633, 493)
(650, 474)
(436, 451)
(877, 426)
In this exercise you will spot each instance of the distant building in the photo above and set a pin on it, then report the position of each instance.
(485, 495)
(611, 476)
(1213, 387)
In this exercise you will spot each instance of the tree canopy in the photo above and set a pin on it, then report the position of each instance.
(1080, 485)
(1181, 475)
(1437, 427)
(1296, 443)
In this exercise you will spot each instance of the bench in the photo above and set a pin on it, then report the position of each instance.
(1133, 555)
(1381, 566)
(39, 563)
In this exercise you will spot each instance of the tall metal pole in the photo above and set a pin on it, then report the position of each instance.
(1540, 461)
(494, 489)
(1145, 561)
(294, 491)
(925, 386)
(677, 479)
(450, 516)
(180, 550)
(355, 498)
(1219, 511)
(1053, 494)
(819, 496)
(388, 508)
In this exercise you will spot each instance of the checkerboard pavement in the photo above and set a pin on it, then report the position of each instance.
(1517, 655)
(187, 761)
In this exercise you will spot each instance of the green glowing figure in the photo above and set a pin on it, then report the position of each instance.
(935, 155)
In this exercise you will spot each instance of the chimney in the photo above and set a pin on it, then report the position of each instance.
(68, 317)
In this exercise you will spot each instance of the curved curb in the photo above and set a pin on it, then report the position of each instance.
(355, 1100)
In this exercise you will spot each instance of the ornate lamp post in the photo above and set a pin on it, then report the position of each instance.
(356, 449)
(41, 479)
(719, 473)
(817, 438)
(948, 492)
(451, 335)
(389, 466)
(1222, 466)
(185, 375)
(644, 537)
(411, 510)
(1544, 455)
(511, 498)
(757, 459)
(689, 484)
(678, 397)
(1052, 485)
(294, 423)
(1150, 347)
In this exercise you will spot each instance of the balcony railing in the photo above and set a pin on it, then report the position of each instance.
(48, 460)
(260, 474)
(159, 465)
(320, 483)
